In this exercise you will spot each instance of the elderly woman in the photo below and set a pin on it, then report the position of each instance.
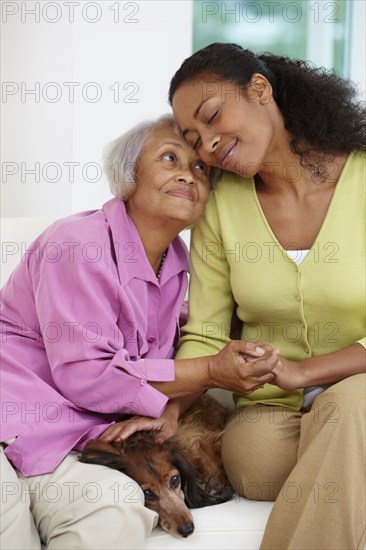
(90, 318)
(285, 245)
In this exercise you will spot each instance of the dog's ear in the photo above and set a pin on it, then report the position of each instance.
(197, 491)
(191, 481)
(101, 452)
(100, 445)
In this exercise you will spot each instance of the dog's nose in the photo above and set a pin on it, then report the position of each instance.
(186, 530)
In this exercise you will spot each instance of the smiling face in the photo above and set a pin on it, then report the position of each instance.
(171, 181)
(230, 128)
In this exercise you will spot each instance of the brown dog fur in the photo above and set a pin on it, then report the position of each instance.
(183, 472)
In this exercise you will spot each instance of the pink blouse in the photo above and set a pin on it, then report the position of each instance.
(85, 325)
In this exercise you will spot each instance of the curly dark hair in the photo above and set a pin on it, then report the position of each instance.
(321, 110)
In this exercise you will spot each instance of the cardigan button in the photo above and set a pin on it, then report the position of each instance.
(151, 339)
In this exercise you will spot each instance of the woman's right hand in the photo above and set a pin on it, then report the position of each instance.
(242, 366)
(165, 426)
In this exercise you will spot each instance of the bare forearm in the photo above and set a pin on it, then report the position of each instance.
(332, 367)
(180, 404)
(192, 377)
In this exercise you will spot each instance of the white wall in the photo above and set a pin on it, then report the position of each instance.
(357, 46)
(133, 47)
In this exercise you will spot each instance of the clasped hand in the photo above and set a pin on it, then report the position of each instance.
(243, 367)
(269, 367)
(240, 366)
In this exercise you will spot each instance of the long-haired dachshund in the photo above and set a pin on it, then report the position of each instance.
(183, 472)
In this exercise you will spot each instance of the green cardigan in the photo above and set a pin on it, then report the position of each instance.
(307, 310)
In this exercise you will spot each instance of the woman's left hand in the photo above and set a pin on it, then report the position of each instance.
(289, 375)
(165, 426)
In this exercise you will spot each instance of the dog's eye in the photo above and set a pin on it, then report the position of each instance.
(174, 482)
(149, 495)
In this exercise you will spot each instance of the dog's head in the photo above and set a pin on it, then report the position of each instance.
(169, 482)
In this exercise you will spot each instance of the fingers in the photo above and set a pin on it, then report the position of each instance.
(248, 348)
(266, 379)
(260, 372)
(268, 351)
(252, 350)
(165, 433)
(264, 346)
(109, 434)
(122, 430)
(271, 359)
(263, 366)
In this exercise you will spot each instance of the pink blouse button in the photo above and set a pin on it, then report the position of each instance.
(151, 339)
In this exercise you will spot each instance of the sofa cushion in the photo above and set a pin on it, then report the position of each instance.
(237, 524)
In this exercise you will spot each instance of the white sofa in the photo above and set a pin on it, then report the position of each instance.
(238, 524)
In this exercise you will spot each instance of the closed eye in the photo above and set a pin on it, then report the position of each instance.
(197, 143)
(212, 117)
(149, 495)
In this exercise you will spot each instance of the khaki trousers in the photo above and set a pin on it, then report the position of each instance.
(77, 506)
(312, 464)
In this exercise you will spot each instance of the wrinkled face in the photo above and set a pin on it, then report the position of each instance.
(172, 181)
(230, 128)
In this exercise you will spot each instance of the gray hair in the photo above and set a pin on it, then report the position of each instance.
(121, 155)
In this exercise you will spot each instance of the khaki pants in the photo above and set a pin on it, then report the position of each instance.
(77, 506)
(312, 464)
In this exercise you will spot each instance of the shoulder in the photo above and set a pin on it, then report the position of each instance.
(356, 164)
(358, 156)
(231, 202)
(353, 176)
(179, 248)
(83, 227)
(77, 239)
(231, 185)
(230, 192)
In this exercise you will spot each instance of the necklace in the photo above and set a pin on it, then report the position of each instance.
(161, 264)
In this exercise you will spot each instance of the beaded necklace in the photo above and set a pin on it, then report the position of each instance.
(161, 264)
